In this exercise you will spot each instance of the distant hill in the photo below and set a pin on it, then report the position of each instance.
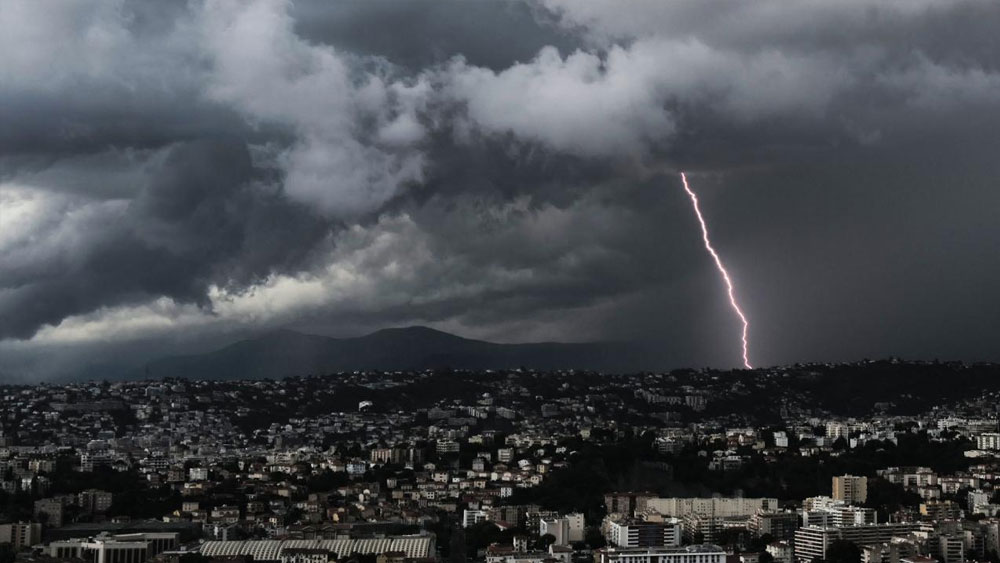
(286, 353)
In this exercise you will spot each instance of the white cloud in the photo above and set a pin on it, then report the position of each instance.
(359, 276)
(357, 132)
(40, 230)
(47, 44)
(621, 102)
(392, 265)
(831, 66)
(579, 103)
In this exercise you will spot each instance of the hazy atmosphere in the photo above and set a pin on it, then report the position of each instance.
(176, 176)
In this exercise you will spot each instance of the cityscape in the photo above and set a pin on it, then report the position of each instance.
(499, 281)
(512, 466)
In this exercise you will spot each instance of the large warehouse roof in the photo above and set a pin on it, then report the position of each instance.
(270, 550)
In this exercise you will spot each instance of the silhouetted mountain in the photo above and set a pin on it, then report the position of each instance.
(285, 353)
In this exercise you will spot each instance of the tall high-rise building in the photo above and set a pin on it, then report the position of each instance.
(850, 489)
(21, 534)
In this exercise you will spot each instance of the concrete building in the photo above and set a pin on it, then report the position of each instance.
(566, 529)
(779, 525)
(951, 549)
(988, 441)
(471, 517)
(835, 430)
(504, 554)
(850, 489)
(704, 553)
(630, 532)
(270, 550)
(781, 439)
(577, 526)
(893, 551)
(626, 504)
(21, 534)
(940, 510)
(51, 509)
(447, 447)
(812, 541)
(781, 551)
(711, 507)
(94, 501)
(704, 517)
(840, 516)
(122, 548)
(557, 528)
(100, 550)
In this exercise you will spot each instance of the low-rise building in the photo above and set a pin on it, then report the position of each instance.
(703, 553)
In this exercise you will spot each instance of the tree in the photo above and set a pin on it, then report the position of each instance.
(194, 558)
(544, 541)
(733, 536)
(594, 538)
(457, 546)
(843, 551)
(481, 535)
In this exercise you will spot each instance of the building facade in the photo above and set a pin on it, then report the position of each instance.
(689, 554)
(850, 489)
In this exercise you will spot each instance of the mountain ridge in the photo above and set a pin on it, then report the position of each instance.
(285, 353)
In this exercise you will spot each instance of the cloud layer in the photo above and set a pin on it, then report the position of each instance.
(182, 172)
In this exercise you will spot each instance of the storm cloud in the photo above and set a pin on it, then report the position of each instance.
(180, 173)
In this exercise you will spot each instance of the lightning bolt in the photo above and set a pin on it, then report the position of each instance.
(722, 270)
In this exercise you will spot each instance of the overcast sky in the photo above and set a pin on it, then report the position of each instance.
(179, 175)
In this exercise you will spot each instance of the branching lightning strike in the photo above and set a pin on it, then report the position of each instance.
(722, 270)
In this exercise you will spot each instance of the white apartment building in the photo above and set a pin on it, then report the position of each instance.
(576, 526)
(689, 554)
(474, 516)
(566, 529)
(705, 516)
(557, 528)
(715, 507)
(122, 548)
(988, 441)
(631, 533)
(781, 439)
(835, 430)
(837, 514)
(100, 550)
(812, 541)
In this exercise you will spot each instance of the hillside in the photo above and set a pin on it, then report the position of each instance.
(285, 353)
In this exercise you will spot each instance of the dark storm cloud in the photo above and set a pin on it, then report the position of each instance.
(49, 125)
(491, 34)
(502, 169)
(199, 219)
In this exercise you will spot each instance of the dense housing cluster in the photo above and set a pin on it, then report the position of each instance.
(851, 463)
